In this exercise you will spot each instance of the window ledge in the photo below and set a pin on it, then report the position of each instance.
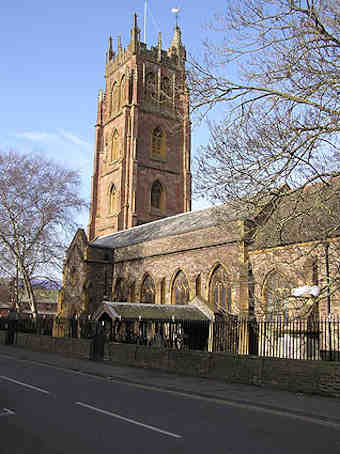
(158, 158)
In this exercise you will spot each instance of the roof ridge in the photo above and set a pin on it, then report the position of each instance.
(141, 226)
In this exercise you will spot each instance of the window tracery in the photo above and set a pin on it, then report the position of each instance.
(163, 291)
(277, 292)
(151, 87)
(119, 293)
(180, 289)
(132, 292)
(115, 146)
(114, 99)
(166, 90)
(148, 290)
(220, 290)
(122, 100)
(157, 196)
(198, 285)
(113, 200)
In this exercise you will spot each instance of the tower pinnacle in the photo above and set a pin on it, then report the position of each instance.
(176, 46)
(135, 32)
(110, 51)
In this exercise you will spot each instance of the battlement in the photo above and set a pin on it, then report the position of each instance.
(174, 57)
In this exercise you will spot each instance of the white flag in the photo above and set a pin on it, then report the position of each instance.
(175, 10)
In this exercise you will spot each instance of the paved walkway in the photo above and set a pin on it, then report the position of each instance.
(319, 407)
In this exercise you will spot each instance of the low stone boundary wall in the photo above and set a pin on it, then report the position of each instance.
(73, 348)
(318, 377)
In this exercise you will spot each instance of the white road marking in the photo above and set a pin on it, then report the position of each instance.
(288, 413)
(7, 412)
(25, 385)
(132, 421)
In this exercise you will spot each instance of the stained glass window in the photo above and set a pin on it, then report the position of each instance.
(180, 289)
(277, 291)
(220, 290)
(148, 290)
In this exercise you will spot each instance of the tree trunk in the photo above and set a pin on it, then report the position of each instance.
(29, 290)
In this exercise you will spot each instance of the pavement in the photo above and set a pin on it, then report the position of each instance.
(301, 405)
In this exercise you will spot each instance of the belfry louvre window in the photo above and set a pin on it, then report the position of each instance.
(148, 290)
(220, 290)
(180, 289)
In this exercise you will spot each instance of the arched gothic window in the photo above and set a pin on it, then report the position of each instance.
(122, 100)
(158, 146)
(180, 289)
(163, 291)
(114, 98)
(220, 290)
(115, 146)
(157, 196)
(148, 290)
(166, 91)
(119, 293)
(277, 290)
(198, 285)
(151, 87)
(113, 199)
(132, 292)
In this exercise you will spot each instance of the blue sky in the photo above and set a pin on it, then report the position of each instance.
(52, 64)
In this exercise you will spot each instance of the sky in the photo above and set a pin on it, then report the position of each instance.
(52, 62)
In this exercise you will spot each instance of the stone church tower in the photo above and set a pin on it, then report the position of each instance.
(142, 152)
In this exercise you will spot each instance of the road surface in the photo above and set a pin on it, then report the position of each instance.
(52, 411)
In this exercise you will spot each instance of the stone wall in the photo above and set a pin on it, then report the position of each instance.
(73, 348)
(317, 377)
(303, 264)
(195, 253)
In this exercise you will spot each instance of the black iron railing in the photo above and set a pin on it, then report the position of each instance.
(309, 339)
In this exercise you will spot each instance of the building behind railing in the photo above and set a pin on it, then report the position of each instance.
(291, 339)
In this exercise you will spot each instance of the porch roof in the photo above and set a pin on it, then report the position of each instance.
(134, 311)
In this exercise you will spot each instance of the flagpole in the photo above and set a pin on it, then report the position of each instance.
(145, 17)
(175, 11)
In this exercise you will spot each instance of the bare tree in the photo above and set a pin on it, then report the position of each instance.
(283, 118)
(38, 203)
(275, 78)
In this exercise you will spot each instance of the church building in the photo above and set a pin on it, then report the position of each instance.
(144, 244)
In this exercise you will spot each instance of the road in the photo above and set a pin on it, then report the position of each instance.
(48, 410)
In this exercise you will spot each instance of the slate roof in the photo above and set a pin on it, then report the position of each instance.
(174, 225)
(150, 311)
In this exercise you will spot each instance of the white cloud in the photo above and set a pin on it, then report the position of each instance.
(36, 136)
(61, 134)
(68, 136)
